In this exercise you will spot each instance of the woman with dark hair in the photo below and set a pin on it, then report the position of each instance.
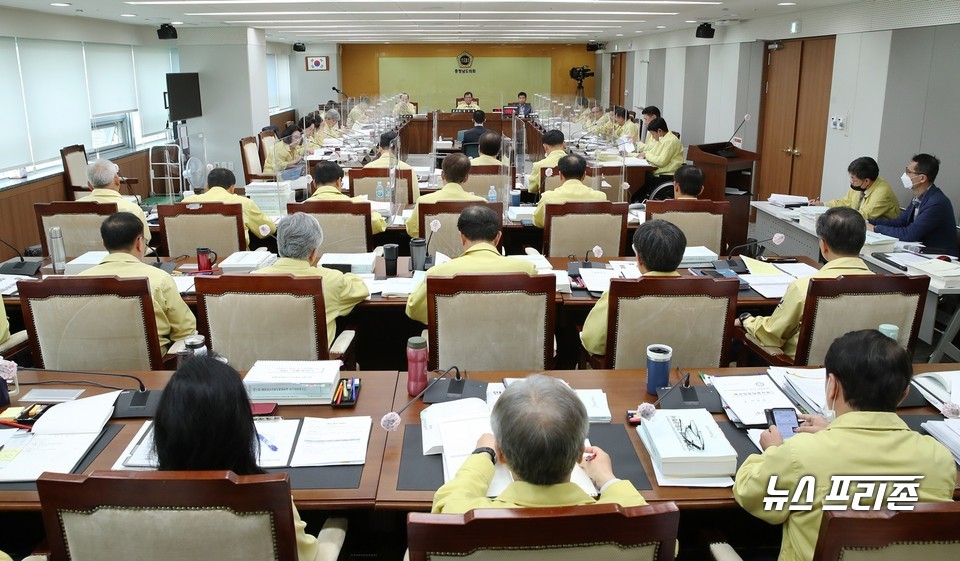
(204, 422)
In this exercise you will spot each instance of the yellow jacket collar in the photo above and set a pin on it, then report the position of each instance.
(482, 246)
(530, 495)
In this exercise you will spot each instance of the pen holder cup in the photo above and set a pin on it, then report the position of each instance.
(344, 395)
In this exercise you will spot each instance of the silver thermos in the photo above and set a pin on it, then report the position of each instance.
(57, 251)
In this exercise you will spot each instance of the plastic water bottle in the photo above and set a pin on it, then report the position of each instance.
(492, 194)
(57, 252)
(379, 193)
(416, 365)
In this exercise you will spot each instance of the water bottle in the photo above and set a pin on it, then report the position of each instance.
(492, 194)
(197, 344)
(379, 192)
(416, 365)
(57, 251)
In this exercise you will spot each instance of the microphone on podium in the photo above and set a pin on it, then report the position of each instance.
(19, 265)
(728, 151)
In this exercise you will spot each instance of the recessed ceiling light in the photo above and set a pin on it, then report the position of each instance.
(661, 27)
(690, 21)
(787, 4)
(619, 34)
(638, 31)
(61, 4)
(128, 15)
(176, 23)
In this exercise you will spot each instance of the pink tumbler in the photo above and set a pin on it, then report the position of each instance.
(416, 365)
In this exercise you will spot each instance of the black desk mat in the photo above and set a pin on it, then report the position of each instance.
(106, 435)
(322, 477)
(914, 421)
(425, 473)
(913, 399)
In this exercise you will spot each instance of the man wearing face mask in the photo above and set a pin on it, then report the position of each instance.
(869, 193)
(868, 374)
(929, 218)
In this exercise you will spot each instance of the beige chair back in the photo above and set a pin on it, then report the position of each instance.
(482, 177)
(91, 323)
(187, 226)
(81, 232)
(247, 318)
(345, 224)
(74, 160)
(550, 182)
(155, 516)
(692, 316)
(491, 322)
(363, 182)
(701, 221)
(447, 239)
(574, 228)
(612, 176)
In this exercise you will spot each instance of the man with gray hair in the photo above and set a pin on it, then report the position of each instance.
(539, 428)
(103, 177)
(331, 126)
(298, 241)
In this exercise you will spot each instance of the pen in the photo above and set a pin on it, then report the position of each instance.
(336, 395)
(17, 425)
(267, 443)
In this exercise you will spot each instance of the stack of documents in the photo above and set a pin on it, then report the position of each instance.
(359, 263)
(84, 262)
(806, 387)
(449, 411)
(673, 438)
(947, 432)
(598, 280)
(697, 256)
(770, 280)
(598, 410)
(8, 283)
(747, 397)
(244, 262)
(769, 286)
(518, 213)
(942, 274)
(398, 287)
(59, 439)
(282, 442)
(878, 243)
(627, 269)
(292, 382)
(939, 387)
(788, 200)
(809, 216)
(538, 260)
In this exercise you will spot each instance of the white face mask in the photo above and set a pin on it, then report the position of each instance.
(829, 413)
(907, 182)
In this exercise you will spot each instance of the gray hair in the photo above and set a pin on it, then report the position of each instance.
(298, 235)
(332, 114)
(540, 425)
(101, 173)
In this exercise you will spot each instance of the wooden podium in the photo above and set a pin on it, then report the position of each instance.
(720, 172)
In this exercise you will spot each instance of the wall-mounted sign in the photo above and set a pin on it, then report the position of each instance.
(317, 63)
(465, 61)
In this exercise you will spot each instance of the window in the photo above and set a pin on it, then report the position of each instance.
(111, 132)
(278, 82)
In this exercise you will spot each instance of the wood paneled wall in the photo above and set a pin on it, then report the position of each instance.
(18, 223)
(279, 119)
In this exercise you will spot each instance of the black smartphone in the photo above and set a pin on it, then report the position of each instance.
(780, 259)
(784, 418)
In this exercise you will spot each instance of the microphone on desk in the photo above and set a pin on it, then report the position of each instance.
(648, 410)
(141, 403)
(728, 152)
(19, 265)
(391, 421)
(737, 264)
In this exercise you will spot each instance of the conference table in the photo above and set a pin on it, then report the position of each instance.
(379, 486)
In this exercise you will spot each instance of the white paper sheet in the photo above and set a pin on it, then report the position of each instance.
(797, 270)
(598, 280)
(328, 442)
(749, 396)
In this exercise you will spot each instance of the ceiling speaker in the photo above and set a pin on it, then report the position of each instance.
(299, 48)
(705, 31)
(166, 31)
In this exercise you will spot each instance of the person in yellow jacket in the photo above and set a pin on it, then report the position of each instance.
(468, 102)
(480, 233)
(667, 154)
(286, 157)
(358, 115)
(869, 194)
(842, 232)
(404, 107)
(298, 242)
(539, 427)
(328, 177)
(625, 127)
(221, 184)
(330, 128)
(572, 169)
(456, 169)
(387, 154)
(490, 145)
(123, 238)
(860, 437)
(648, 114)
(553, 147)
(103, 177)
(659, 247)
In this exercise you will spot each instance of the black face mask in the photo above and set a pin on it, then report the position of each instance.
(861, 188)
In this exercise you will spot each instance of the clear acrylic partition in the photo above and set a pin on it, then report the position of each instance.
(287, 161)
(391, 196)
(518, 153)
(433, 181)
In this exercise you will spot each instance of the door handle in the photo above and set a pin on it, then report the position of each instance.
(788, 150)
(796, 153)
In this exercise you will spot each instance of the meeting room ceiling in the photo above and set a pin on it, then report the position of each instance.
(441, 21)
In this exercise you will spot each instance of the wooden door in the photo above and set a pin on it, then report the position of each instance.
(617, 77)
(796, 101)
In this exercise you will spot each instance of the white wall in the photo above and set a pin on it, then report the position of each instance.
(309, 89)
(860, 65)
(673, 83)
(37, 25)
(722, 116)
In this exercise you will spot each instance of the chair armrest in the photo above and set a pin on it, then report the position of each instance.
(343, 348)
(773, 355)
(330, 540)
(17, 342)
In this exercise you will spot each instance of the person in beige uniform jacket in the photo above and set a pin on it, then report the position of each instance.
(103, 176)
(456, 169)
(404, 107)
(328, 176)
(358, 115)
(298, 242)
(479, 233)
(468, 102)
(386, 154)
(553, 147)
(123, 239)
(659, 247)
(221, 184)
(572, 169)
(490, 146)
(842, 232)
